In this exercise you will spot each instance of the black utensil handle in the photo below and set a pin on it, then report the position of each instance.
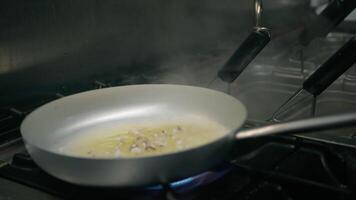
(329, 18)
(247, 51)
(328, 72)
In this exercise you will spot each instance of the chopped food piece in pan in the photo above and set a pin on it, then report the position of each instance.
(146, 139)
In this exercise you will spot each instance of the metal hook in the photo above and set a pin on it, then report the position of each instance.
(258, 12)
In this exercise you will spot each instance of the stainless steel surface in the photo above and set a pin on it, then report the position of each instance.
(92, 39)
(46, 129)
(42, 41)
(275, 82)
(321, 78)
(300, 97)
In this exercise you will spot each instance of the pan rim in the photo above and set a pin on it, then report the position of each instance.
(229, 133)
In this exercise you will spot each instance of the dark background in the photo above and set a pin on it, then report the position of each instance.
(49, 46)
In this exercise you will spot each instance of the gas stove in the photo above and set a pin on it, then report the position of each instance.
(283, 167)
(57, 51)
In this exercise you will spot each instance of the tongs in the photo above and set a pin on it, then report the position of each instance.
(318, 81)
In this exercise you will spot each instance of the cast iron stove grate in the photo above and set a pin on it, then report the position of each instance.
(281, 176)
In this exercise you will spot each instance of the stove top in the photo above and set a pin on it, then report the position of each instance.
(276, 168)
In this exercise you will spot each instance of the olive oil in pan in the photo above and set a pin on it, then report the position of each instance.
(146, 139)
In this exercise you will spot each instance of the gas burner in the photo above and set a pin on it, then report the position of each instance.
(23, 170)
(194, 182)
(282, 176)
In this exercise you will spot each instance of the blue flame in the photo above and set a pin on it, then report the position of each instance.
(182, 182)
(174, 184)
(195, 181)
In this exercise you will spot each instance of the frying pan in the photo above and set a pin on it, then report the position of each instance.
(58, 122)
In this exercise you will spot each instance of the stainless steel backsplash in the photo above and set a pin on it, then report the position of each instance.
(47, 45)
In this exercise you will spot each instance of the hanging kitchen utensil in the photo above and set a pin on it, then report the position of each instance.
(322, 78)
(328, 19)
(248, 50)
(319, 26)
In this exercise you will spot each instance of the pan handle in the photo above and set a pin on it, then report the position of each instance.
(248, 50)
(301, 126)
(329, 18)
(336, 65)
